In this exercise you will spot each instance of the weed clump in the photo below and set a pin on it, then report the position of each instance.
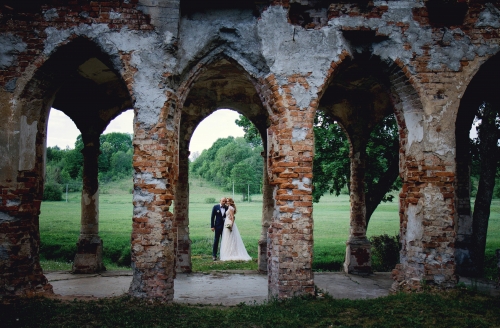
(385, 252)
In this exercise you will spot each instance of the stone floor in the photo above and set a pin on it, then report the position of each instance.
(228, 287)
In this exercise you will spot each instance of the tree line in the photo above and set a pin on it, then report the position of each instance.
(65, 166)
(231, 163)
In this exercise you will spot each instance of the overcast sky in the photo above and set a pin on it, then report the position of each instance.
(63, 132)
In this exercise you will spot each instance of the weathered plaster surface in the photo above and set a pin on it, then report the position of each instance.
(437, 139)
(92, 199)
(148, 58)
(285, 46)
(27, 142)
(489, 17)
(4, 217)
(50, 14)
(414, 121)
(9, 138)
(10, 46)
(234, 32)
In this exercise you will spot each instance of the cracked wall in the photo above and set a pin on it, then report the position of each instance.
(157, 50)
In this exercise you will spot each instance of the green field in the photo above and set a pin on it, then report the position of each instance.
(60, 226)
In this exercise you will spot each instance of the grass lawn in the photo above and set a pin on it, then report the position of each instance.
(456, 308)
(60, 226)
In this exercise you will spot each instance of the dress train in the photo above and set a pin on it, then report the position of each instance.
(232, 247)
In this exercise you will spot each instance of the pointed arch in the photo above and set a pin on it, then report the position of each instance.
(56, 82)
(359, 92)
(217, 82)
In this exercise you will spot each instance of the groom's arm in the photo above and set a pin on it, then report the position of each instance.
(212, 218)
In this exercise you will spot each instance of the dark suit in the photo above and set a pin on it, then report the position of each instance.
(217, 222)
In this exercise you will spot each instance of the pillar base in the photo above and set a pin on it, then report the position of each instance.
(358, 257)
(412, 278)
(184, 264)
(88, 258)
(262, 256)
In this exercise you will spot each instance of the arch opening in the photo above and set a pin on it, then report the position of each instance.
(80, 80)
(477, 166)
(363, 98)
(61, 207)
(221, 85)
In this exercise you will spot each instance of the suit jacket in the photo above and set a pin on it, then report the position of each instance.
(217, 219)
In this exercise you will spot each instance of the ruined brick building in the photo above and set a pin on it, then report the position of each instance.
(276, 62)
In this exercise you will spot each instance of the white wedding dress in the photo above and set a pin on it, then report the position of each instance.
(231, 246)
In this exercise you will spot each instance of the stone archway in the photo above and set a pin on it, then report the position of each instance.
(222, 83)
(360, 93)
(357, 98)
(92, 96)
(80, 80)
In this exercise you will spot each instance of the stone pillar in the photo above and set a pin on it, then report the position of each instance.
(267, 215)
(88, 258)
(357, 257)
(153, 233)
(290, 155)
(181, 215)
(20, 271)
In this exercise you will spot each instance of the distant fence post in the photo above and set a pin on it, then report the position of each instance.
(66, 192)
(248, 192)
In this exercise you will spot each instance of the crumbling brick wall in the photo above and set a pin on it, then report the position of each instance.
(273, 64)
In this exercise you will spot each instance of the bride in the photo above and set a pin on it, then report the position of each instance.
(232, 247)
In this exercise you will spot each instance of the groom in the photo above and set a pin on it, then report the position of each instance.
(217, 224)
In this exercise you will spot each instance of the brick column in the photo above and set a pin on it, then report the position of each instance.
(267, 215)
(181, 215)
(20, 271)
(88, 258)
(290, 234)
(153, 231)
(290, 154)
(357, 257)
(427, 212)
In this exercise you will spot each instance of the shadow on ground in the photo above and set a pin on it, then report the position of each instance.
(229, 287)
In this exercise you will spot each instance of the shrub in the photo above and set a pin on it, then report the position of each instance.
(52, 191)
(385, 252)
(209, 200)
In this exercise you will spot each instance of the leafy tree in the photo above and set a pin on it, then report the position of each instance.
(121, 162)
(73, 161)
(201, 165)
(227, 157)
(382, 172)
(115, 161)
(112, 144)
(252, 135)
(331, 168)
(332, 164)
(54, 154)
(229, 161)
(243, 176)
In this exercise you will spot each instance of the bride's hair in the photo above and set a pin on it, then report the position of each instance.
(231, 202)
